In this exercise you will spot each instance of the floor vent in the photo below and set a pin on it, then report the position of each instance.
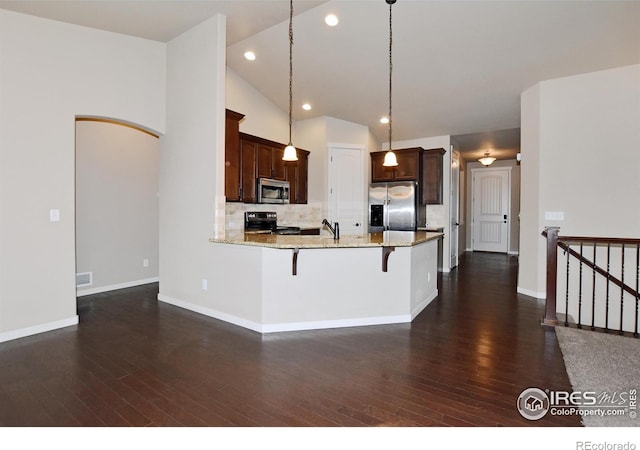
(84, 279)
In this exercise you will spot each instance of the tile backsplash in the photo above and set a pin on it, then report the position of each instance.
(309, 215)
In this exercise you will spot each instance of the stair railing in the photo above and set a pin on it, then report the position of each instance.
(608, 302)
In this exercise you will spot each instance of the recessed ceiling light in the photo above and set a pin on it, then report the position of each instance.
(306, 107)
(384, 120)
(250, 55)
(331, 20)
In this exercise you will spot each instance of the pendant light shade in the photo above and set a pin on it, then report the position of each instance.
(487, 160)
(290, 153)
(390, 159)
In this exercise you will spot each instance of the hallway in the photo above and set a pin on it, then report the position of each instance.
(133, 361)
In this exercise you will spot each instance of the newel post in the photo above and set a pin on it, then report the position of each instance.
(551, 234)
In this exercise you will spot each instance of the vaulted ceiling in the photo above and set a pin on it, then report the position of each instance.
(458, 66)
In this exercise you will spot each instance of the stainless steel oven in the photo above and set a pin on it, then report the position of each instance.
(273, 191)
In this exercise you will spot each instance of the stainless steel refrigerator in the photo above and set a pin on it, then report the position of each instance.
(393, 206)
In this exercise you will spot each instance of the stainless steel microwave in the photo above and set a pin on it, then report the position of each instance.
(273, 191)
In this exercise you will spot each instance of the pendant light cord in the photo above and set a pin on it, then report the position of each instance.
(391, 2)
(290, 65)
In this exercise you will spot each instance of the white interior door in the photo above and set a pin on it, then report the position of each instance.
(491, 199)
(347, 201)
(455, 208)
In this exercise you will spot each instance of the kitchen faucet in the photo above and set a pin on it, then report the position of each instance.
(335, 230)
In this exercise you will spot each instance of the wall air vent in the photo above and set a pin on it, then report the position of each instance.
(84, 279)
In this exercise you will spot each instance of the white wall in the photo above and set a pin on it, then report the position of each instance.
(116, 205)
(51, 72)
(262, 117)
(580, 156)
(192, 162)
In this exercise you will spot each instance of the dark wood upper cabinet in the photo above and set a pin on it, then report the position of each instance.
(232, 164)
(262, 158)
(278, 169)
(431, 177)
(297, 174)
(408, 168)
(414, 164)
(249, 172)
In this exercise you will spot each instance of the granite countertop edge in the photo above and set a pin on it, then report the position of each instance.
(385, 239)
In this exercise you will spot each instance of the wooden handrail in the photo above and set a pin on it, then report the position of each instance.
(591, 239)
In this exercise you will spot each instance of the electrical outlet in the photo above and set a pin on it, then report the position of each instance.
(205, 284)
(145, 262)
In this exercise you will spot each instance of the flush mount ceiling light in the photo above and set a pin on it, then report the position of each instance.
(384, 120)
(390, 159)
(290, 153)
(487, 160)
(306, 107)
(331, 20)
(250, 55)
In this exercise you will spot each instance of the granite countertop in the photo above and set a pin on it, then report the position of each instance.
(383, 239)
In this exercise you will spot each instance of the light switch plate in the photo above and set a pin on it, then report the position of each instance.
(54, 215)
(554, 215)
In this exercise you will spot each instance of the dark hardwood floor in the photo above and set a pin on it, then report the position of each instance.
(133, 361)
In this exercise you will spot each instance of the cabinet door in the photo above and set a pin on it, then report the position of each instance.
(232, 167)
(277, 164)
(303, 177)
(378, 171)
(297, 175)
(431, 179)
(408, 168)
(264, 161)
(249, 157)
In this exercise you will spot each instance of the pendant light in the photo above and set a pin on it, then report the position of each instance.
(487, 160)
(290, 153)
(390, 159)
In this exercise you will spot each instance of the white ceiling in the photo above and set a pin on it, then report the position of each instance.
(458, 66)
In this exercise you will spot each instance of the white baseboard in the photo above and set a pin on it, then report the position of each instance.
(339, 323)
(37, 329)
(291, 326)
(212, 313)
(515, 253)
(538, 295)
(114, 287)
(418, 309)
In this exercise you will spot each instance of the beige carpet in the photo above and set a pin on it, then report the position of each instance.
(604, 363)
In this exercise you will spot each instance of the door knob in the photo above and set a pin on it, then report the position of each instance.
(357, 224)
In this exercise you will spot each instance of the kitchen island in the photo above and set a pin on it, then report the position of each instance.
(271, 283)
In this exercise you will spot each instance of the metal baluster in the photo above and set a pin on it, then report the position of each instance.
(580, 290)
(622, 290)
(593, 290)
(606, 311)
(566, 298)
